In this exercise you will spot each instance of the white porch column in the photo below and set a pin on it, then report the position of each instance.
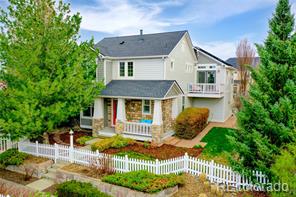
(157, 113)
(175, 108)
(98, 116)
(99, 108)
(121, 110)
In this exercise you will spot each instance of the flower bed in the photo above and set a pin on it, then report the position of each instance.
(163, 152)
(113, 190)
(62, 136)
(15, 177)
(32, 166)
(144, 181)
(15, 189)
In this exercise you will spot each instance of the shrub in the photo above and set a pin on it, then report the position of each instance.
(12, 157)
(197, 146)
(78, 189)
(284, 170)
(190, 122)
(144, 181)
(116, 141)
(82, 140)
(135, 155)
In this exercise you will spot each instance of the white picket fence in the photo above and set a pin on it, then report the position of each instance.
(216, 173)
(6, 143)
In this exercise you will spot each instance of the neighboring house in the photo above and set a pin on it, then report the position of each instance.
(236, 75)
(150, 79)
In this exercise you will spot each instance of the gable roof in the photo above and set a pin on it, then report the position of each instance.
(157, 44)
(212, 56)
(233, 61)
(139, 88)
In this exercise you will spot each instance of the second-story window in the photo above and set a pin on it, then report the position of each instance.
(126, 69)
(122, 69)
(130, 69)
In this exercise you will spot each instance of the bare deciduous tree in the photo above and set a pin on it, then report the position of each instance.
(245, 54)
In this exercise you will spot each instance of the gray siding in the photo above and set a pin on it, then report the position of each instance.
(109, 70)
(100, 70)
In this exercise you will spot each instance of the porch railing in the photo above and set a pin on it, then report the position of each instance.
(137, 128)
(205, 88)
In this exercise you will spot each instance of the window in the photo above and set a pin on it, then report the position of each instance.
(206, 77)
(126, 69)
(89, 112)
(189, 68)
(172, 65)
(122, 69)
(146, 107)
(130, 69)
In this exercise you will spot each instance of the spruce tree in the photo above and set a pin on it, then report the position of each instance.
(49, 73)
(267, 119)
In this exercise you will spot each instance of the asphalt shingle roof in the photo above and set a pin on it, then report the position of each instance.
(138, 88)
(233, 61)
(140, 45)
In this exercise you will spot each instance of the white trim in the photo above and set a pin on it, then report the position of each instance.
(150, 105)
(136, 57)
(179, 88)
(105, 71)
(139, 98)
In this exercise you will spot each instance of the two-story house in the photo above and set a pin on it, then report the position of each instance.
(150, 79)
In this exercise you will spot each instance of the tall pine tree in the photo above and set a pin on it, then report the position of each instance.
(268, 117)
(49, 74)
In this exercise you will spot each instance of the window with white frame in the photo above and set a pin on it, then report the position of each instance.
(146, 107)
(206, 77)
(89, 112)
(121, 69)
(189, 68)
(126, 69)
(172, 67)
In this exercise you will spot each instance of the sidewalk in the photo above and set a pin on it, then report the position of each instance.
(230, 123)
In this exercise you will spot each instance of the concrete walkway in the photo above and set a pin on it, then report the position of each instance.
(230, 123)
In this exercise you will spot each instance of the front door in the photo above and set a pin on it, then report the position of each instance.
(114, 112)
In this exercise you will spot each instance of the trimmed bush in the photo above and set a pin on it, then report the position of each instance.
(78, 189)
(191, 122)
(144, 181)
(82, 140)
(12, 157)
(116, 141)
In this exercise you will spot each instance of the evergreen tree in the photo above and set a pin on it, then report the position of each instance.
(49, 74)
(267, 120)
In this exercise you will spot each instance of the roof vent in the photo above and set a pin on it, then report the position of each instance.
(141, 32)
(122, 42)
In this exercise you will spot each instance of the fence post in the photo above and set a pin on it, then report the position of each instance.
(37, 151)
(126, 163)
(156, 166)
(56, 152)
(186, 161)
(71, 148)
(212, 171)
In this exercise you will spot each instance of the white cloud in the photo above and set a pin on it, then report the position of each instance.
(123, 17)
(223, 50)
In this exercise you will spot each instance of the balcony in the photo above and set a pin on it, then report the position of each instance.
(207, 90)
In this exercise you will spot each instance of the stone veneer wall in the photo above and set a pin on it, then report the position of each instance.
(134, 113)
(167, 114)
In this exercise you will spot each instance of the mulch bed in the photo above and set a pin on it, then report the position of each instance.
(15, 177)
(65, 136)
(253, 194)
(163, 152)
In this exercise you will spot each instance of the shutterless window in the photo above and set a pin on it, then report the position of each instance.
(130, 69)
(89, 112)
(121, 69)
(206, 76)
(146, 107)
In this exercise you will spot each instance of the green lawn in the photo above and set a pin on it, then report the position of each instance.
(217, 145)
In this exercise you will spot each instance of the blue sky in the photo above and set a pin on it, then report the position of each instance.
(215, 25)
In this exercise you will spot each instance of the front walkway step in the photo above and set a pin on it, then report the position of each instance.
(50, 175)
(41, 184)
(172, 141)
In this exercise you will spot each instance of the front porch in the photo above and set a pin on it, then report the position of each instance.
(145, 120)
